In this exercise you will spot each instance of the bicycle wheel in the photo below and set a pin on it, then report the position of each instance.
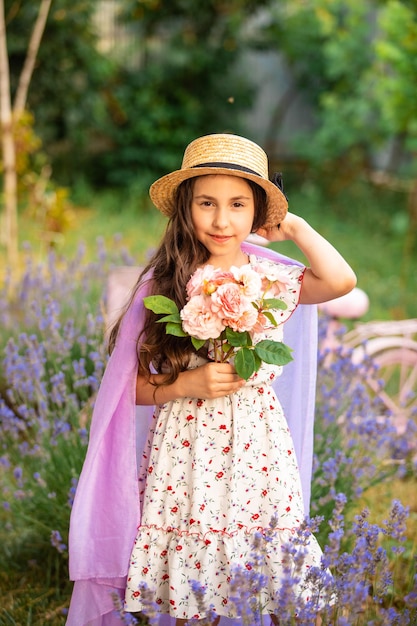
(397, 367)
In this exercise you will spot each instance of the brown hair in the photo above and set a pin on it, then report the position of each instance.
(178, 256)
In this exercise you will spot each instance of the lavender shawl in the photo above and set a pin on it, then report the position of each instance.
(105, 513)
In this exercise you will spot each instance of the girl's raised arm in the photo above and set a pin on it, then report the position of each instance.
(328, 275)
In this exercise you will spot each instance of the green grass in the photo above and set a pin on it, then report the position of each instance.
(365, 225)
(106, 216)
(27, 599)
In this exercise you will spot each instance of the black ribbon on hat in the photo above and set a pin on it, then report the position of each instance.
(278, 182)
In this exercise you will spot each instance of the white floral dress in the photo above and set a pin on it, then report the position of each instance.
(213, 474)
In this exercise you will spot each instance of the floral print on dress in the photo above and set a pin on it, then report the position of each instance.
(214, 473)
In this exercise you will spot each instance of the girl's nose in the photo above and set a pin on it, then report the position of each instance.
(220, 218)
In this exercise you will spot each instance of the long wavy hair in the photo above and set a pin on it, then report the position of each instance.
(178, 256)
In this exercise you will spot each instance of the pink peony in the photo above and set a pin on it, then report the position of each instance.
(275, 280)
(229, 302)
(199, 320)
(261, 323)
(205, 280)
(195, 284)
(249, 280)
(246, 322)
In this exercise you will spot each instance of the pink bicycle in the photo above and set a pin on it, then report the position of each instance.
(392, 345)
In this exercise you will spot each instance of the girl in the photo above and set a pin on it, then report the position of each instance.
(216, 462)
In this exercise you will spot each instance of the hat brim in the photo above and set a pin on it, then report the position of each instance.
(163, 191)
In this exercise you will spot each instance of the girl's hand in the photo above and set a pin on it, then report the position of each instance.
(212, 380)
(280, 232)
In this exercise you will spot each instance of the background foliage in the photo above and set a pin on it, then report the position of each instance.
(102, 118)
(70, 72)
(176, 72)
(185, 82)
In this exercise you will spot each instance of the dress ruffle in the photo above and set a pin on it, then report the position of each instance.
(183, 557)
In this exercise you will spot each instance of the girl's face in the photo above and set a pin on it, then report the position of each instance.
(222, 213)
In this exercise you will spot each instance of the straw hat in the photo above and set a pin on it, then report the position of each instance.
(223, 154)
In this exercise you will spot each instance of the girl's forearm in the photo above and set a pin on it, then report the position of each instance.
(152, 391)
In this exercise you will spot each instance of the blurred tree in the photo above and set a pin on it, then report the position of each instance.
(12, 120)
(70, 74)
(186, 82)
(327, 45)
(395, 73)
(124, 117)
(395, 87)
(356, 65)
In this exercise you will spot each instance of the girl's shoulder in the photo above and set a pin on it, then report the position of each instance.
(286, 267)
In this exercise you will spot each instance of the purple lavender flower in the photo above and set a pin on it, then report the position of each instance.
(125, 618)
(206, 613)
(411, 598)
(18, 473)
(396, 525)
(71, 492)
(57, 542)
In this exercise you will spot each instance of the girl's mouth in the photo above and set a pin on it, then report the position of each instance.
(220, 238)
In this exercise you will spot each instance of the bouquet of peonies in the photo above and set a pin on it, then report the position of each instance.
(227, 310)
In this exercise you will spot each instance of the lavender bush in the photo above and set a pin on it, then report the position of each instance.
(53, 356)
(356, 443)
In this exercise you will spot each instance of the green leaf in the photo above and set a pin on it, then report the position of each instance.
(237, 339)
(197, 343)
(175, 329)
(273, 352)
(245, 363)
(271, 318)
(274, 303)
(174, 317)
(160, 304)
